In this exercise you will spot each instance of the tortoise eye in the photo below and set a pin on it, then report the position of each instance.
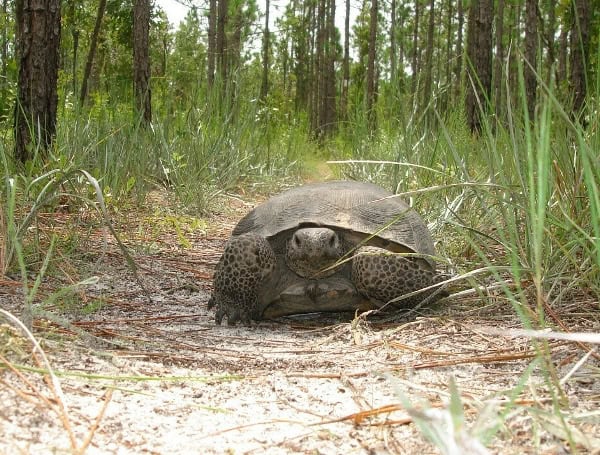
(296, 240)
(332, 241)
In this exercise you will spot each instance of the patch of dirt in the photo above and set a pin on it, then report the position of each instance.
(154, 374)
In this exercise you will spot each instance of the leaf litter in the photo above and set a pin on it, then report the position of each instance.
(156, 375)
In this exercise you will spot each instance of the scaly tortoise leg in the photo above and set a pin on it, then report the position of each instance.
(247, 261)
(381, 276)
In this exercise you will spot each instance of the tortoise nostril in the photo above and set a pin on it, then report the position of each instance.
(333, 241)
(296, 240)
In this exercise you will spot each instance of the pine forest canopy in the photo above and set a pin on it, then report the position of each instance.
(330, 63)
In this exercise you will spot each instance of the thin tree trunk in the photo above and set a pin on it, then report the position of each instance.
(329, 121)
(393, 61)
(531, 45)
(38, 45)
(479, 50)
(4, 50)
(429, 57)
(92, 52)
(563, 45)
(458, 68)
(212, 41)
(371, 83)
(346, 64)
(415, 50)
(449, 53)
(498, 71)
(221, 40)
(141, 59)
(580, 44)
(264, 90)
(550, 38)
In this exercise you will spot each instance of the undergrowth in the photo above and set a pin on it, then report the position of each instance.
(520, 201)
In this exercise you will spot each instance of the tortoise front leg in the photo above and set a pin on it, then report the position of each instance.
(246, 263)
(381, 276)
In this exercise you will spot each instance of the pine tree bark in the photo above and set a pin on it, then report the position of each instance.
(329, 119)
(449, 34)
(415, 51)
(264, 89)
(393, 62)
(499, 59)
(580, 44)
(479, 53)
(346, 65)
(429, 57)
(221, 39)
(531, 45)
(458, 68)
(38, 44)
(92, 52)
(212, 41)
(141, 60)
(550, 38)
(4, 52)
(371, 74)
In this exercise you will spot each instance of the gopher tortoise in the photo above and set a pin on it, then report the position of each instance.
(324, 247)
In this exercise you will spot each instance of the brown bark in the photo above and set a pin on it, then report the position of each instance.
(141, 59)
(531, 46)
(458, 69)
(221, 39)
(371, 74)
(264, 89)
(429, 57)
(92, 51)
(415, 50)
(499, 58)
(212, 41)
(346, 64)
(580, 44)
(393, 62)
(38, 43)
(329, 120)
(479, 53)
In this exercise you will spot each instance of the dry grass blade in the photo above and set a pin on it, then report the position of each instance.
(580, 337)
(53, 382)
(88, 439)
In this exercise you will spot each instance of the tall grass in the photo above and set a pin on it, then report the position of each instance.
(520, 201)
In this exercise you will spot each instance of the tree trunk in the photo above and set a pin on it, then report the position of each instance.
(563, 45)
(580, 44)
(371, 83)
(499, 60)
(393, 57)
(550, 38)
(479, 53)
(141, 59)
(449, 35)
(330, 92)
(429, 57)
(92, 52)
(264, 90)
(531, 45)
(458, 70)
(38, 44)
(221, 40)
(346, 64)
(212, 41)
(4, 56)
(318, 70)
(415, 50)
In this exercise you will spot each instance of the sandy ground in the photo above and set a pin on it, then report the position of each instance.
(154, 374)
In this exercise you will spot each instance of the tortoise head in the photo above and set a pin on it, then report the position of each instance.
(311, 251)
